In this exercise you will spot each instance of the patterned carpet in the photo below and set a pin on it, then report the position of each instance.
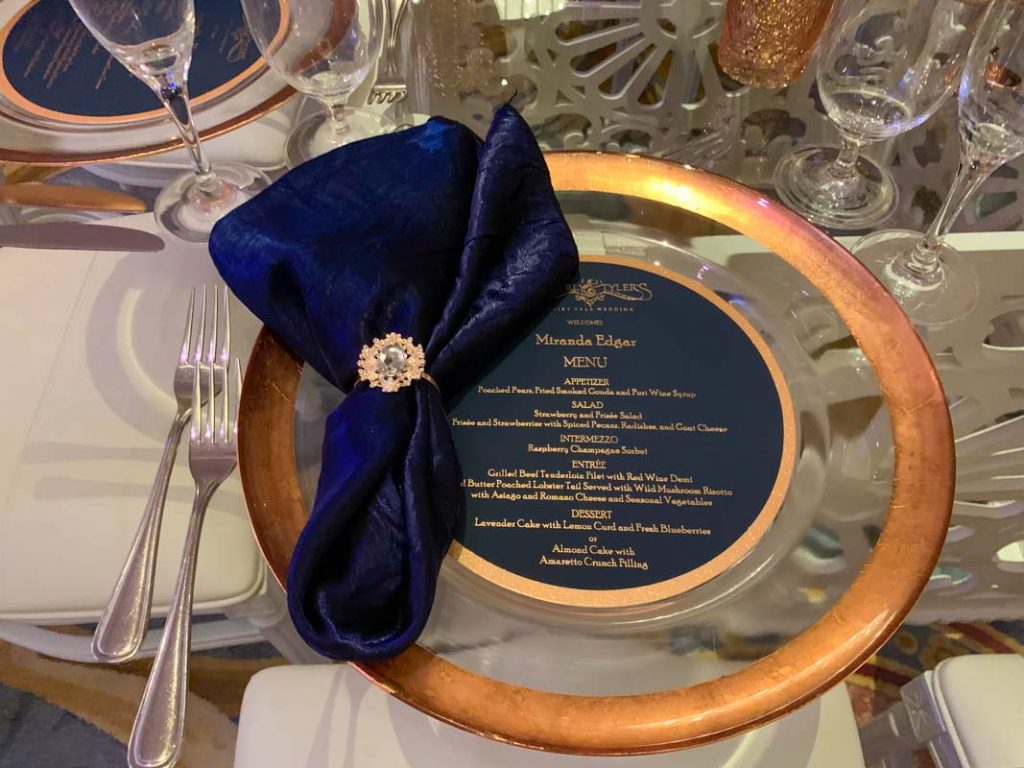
(56, 713)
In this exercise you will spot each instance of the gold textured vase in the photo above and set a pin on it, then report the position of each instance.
(766, 43)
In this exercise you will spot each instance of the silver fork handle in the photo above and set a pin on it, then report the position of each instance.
(159, 729)
(122, 627)
(394, 30)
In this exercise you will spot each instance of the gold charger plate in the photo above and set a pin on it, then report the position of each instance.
(69, 157)
(803, 668)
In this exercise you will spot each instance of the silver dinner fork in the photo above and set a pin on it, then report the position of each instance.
(390, 87)
(122, 627)
(159, 729)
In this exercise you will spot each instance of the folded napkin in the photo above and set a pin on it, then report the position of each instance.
(432, 234)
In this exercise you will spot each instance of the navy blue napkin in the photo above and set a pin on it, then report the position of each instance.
(432, 234)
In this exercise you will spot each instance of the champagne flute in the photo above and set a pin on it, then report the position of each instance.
(885, 67)
(324, 49)
(154, 42)
(933, 282)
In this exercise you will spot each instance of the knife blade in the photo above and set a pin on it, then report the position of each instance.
(76, 198)
(67, 235)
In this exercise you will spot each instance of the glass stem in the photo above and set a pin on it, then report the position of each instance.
(338, 118)
(922, 262)
(173, 92)
(845, 165)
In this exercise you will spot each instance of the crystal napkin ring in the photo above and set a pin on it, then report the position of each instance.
(392, 362)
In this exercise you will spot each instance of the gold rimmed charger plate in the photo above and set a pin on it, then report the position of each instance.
(806, 666)
(134, 151)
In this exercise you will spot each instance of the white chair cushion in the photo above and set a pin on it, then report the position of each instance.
(83, 421)
(329, 716)
(981, 699)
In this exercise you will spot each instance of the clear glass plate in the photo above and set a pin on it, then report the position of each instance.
(790, 578)
(807, 603)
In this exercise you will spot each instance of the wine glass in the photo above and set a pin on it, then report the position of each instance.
(884, 68)
(933, 282)
(324, 49)
(154, 42)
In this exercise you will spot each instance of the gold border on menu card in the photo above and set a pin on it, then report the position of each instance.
(863, 618)
(30, 107)
(591, 598)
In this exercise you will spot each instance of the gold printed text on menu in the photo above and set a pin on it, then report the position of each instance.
(628, 441)
(602, 472)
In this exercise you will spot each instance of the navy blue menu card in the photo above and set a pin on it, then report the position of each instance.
(636, 443)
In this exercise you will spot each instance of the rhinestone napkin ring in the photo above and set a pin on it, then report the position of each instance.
(391, 362)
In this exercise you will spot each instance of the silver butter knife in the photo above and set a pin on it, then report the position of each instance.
(67, 235)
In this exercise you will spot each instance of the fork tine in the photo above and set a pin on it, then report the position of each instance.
(211, 345)
(225, 339)
(197, 350)
(233, 431)
(186, 341)
(209, 426)
(225, 397)
(197, 408)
